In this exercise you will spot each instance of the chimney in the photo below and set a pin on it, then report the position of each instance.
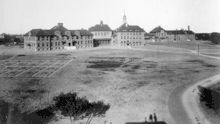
(188, 28)
(60, 24)
(101, 23)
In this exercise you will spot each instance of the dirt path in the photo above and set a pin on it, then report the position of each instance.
(187, 106)
(189, 110)
(190, 100)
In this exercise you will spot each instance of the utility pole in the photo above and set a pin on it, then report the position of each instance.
(158, 39)
(198, 47)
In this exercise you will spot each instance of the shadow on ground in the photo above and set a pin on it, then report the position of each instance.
(159, 122)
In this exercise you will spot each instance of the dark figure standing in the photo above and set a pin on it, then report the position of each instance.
(151, 117)
(155, 117)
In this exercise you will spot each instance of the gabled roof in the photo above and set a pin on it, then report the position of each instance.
(3, 34)
(51, 32)
(34, 32)
(59, 28)
(82, 32)
(129, 28)
(157, 29)
(100, 27)
(190, 32)
(179, 32)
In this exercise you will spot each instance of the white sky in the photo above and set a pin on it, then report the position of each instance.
(20, 16)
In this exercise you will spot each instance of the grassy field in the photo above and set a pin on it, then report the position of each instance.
(135, 83)
(204, 46)
(3, 57)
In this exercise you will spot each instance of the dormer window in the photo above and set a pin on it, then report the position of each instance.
(57, 33)
(67, 33)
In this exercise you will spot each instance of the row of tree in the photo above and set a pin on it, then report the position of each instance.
(213, 37)
(12, 39)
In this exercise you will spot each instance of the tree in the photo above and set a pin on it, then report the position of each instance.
(96, 109)
(215, 38)
(71, 105)
(78, 108)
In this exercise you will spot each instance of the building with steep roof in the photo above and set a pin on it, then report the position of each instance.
(159, 32)
(57, 38)
(102, 34)
(131, 35)
(172, 35)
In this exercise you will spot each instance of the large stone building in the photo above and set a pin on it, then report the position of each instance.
(131, 35)
(172, 35)
(102, 34)
(57, 38)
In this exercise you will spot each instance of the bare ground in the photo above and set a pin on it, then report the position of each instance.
(138, 85)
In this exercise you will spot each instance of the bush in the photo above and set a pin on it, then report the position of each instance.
(210, 98)
(215, 38)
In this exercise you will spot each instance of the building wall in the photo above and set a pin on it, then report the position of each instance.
(101, 34)
(30, 43)
(134, 38)
(180, 37)
(57, 43)
(162, 33)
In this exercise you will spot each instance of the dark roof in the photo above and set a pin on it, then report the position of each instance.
(132, 28)
(100, 27)
(157, 29)
(59, 28)
(3, 34)
(179, 32)
(51, 32)
(82, 32)
(190, 32)
(34, 32)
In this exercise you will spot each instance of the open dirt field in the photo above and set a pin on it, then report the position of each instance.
(191, 45)
(135, 83)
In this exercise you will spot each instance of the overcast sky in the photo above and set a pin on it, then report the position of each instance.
(20, 16)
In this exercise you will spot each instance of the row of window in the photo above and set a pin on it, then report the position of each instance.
(130, 37)
(57, 48)
(57, 38)
(59, 43)
(64, 38)
(101, 33)
(130, 33)
(104, 42)
(125, 42)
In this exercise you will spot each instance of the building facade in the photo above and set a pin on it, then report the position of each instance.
(172, 35)
(129, 35)
(102, 34)
(57, 38)
(149, 38)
